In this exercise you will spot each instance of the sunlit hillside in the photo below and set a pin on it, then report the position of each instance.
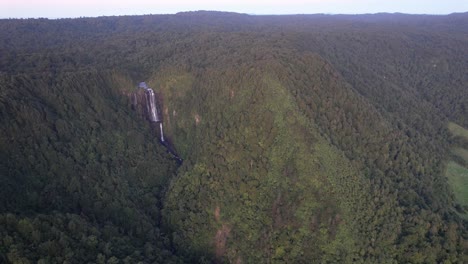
(276, 139)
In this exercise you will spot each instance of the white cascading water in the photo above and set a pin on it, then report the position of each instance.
(151, 105)
(162, 133)
(154, 116)
(153, 110)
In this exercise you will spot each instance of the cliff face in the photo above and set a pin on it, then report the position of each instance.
(145, 102)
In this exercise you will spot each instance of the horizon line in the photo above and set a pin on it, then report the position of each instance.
(240, 13)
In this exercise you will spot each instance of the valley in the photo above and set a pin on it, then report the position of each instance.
(253, 139)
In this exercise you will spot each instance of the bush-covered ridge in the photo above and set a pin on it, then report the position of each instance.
(303, 137)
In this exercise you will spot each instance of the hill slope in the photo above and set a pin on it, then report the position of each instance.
(303, 137)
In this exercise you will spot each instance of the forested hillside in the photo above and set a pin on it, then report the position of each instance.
(305, 139)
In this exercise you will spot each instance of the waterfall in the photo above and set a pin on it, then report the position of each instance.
(151, 106)
(154, 115)
(162, 133)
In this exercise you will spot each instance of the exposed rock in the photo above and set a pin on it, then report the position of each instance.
(145, 102)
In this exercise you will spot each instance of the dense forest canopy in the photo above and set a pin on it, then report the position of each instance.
(305, 138)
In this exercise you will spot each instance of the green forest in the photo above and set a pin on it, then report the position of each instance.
(304, 139)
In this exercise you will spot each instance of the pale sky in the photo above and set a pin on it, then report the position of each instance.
(93, 8)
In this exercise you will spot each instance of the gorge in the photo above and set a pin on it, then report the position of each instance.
(305, 139)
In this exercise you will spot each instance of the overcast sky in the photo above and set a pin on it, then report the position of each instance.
(92, 8)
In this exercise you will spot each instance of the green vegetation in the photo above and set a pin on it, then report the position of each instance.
(78, 187)
(458, 179)
(457, 130)
(462, 153)
(457, 168)
(304, 138)
(253, 193)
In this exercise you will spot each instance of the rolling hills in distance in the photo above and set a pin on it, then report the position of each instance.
(304, 139)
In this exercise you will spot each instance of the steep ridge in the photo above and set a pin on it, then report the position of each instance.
(338, 114)
(259, 171)
(425, 72)
(80, 174)
(395, 176)
(304, 138)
